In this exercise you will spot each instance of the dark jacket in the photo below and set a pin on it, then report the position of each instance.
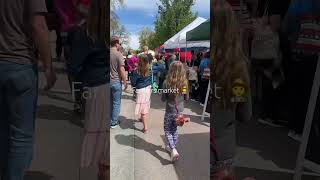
(89, 62)
(139, 82)
(174, 102)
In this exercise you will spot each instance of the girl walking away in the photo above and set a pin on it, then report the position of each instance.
(142, 80)
(89, 57)
(230, 82)
(176, 80)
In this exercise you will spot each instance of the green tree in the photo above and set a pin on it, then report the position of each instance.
(116, 28)
(173, 15)
(114, 19)
(146, 38)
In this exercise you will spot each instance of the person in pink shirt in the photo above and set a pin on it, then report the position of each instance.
(71, 15)
(68, 13)
(132, 63)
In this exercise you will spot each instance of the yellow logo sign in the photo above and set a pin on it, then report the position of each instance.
(238, 90)
(184, 90)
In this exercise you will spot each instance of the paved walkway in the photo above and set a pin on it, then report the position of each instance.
(139, 156)
(58, 135)
(267, 153)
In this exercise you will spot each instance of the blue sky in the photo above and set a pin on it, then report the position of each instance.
(141, 13)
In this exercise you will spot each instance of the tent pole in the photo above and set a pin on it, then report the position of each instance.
(206, 102)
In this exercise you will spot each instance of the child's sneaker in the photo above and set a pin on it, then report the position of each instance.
(168, 148)
(174, 155)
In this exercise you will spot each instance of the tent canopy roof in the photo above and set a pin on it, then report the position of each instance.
(200, 33)
(179, 40)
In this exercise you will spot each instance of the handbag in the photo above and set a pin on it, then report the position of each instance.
(308, 43)
(206, 74)
(266, 42)
(154, 85)
(180, 118)
(193, 75)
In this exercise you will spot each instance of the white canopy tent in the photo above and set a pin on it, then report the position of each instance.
(179, 40)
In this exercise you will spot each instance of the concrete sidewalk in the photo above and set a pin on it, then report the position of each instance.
(139, 156)
(58, 135)
(267, 153)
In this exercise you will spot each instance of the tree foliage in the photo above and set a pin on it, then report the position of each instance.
(173, 15)
(116, 28)
(146, 37)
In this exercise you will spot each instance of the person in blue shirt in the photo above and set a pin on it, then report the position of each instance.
(204, 63)
(158, 70)
(204, 81)
(302, 67)
(296, 10)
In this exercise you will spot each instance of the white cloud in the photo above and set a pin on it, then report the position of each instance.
(135, 28)
(142, 5)
(134, 41)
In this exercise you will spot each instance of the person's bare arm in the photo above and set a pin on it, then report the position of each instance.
(123, 76)
(40, 36)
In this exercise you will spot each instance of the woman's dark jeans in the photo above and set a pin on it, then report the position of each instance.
(203, 90)
(18, 100)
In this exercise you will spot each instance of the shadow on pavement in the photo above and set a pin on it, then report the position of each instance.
(56, 97)
(56, 113)
(141, 144)
(128, 123)
(158, 104)
(41, 91)
(37, 175)
(58, 70)
(194, 107)
(197, 119)
(194, 162)
(267, 175)
(272, 144)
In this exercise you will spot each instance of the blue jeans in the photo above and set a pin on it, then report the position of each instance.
(18, 101)
(116, 91)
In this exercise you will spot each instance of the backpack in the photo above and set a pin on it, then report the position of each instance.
(206, 74)
(265, 43)
(308, 43)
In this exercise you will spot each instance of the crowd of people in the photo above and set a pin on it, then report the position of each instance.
(269, 49)
(148, 74)
(263, 54)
